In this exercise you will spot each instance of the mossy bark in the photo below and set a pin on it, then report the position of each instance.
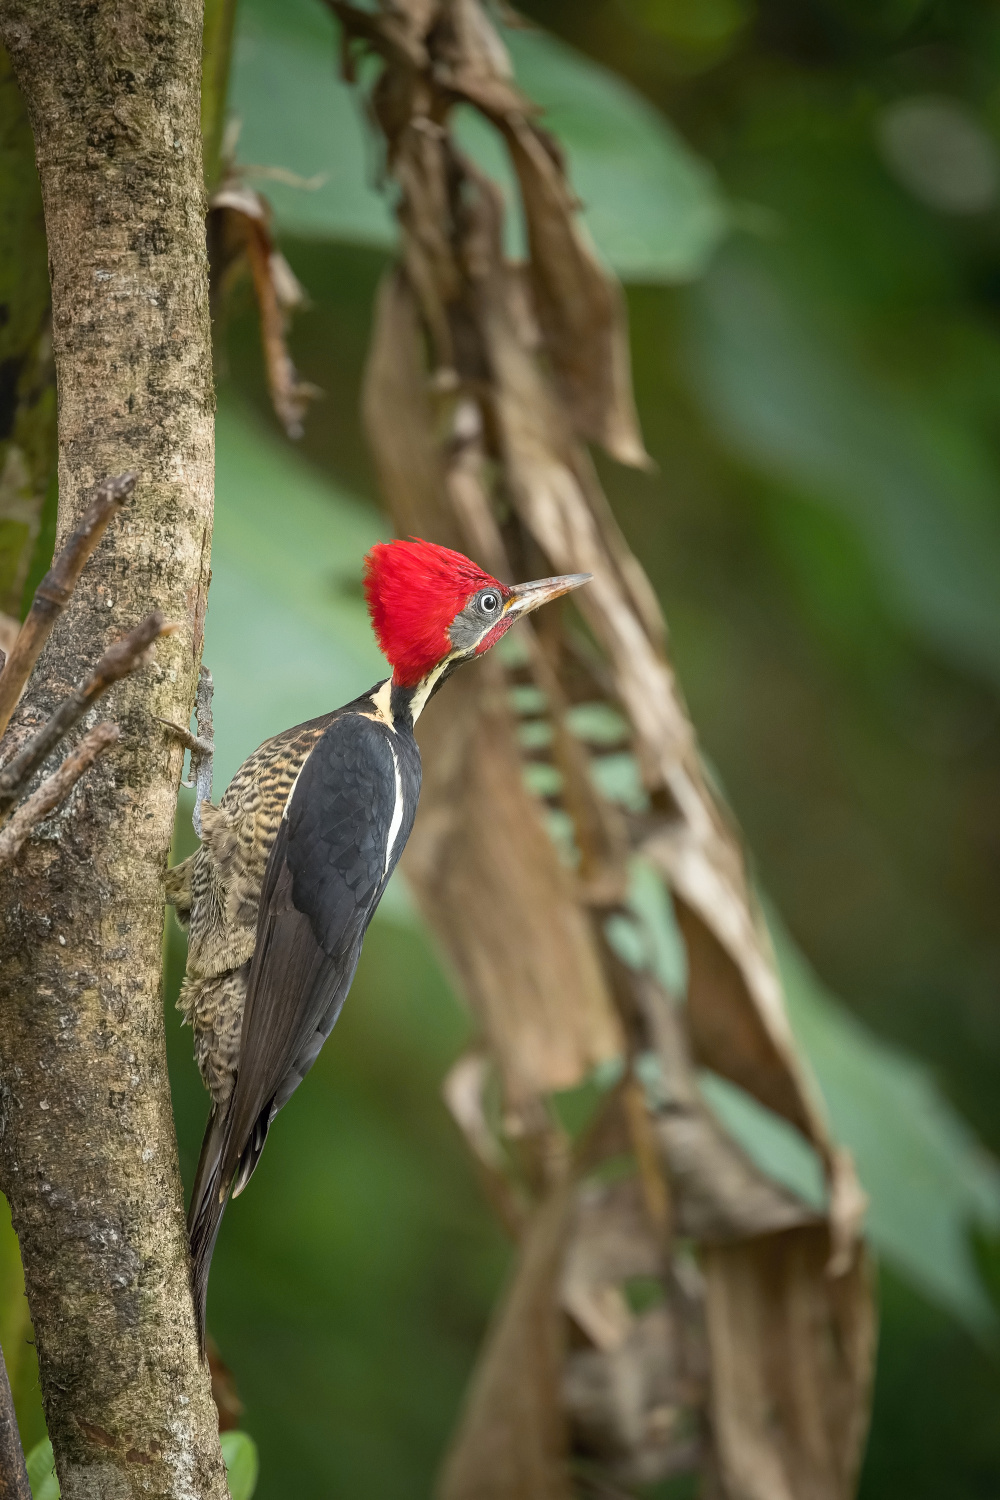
(87, 1147)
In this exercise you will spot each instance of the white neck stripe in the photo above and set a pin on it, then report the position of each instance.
(383, 703)
(423, 689)
(397, 813)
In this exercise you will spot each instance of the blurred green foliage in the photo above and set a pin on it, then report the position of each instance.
(42, 1472)
(242, 1464)
(27, 382)
(824, 531)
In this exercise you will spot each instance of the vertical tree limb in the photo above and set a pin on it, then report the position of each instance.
(13, 1474)
(87, 1148)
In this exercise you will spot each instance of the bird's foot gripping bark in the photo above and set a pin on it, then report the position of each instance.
(201, 746)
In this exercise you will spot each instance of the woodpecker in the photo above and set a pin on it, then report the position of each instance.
(296, 856)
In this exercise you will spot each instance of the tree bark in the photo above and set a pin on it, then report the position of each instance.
(87, 1147)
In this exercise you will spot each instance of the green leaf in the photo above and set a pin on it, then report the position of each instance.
(918, 489)
(930, 1182)
(775, 1145)
(296, 115)
(42, 1472)
(653, 208)
(242, 1463)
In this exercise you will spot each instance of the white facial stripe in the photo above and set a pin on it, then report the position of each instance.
(425, 688)
(397, 813)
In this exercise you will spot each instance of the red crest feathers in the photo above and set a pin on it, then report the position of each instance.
(414, 590)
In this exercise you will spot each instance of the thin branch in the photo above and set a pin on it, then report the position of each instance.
(55, 589)
(54, 788)
(13, 1474)
(125, 656)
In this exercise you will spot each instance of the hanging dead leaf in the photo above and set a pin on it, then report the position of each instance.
(239, 236)
(511, 1442)
(792, 1354)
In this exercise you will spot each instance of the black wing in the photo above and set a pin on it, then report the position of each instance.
(325, 875)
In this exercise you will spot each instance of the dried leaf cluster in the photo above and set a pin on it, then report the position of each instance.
(672, 1307)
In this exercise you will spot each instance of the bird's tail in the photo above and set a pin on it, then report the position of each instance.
(214, 1182)
(208, 1204)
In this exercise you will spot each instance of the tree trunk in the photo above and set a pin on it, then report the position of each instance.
(87, 1147)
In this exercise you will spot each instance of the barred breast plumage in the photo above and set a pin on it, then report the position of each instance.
(216, 894)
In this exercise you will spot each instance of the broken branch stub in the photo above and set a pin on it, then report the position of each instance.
(56, 588)
(120, 659)
(54, 789)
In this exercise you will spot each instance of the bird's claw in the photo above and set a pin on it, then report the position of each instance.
(190, 741)
(200, 745)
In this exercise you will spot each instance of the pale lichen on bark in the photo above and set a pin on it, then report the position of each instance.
(87, 1148)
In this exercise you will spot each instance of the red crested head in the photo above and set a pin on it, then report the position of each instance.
(414, 591)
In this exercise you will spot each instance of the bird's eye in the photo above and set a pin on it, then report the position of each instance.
(489, 603)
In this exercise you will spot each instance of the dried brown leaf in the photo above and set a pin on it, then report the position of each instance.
(613, 1238)
(792, 1352)
(636, 1396)
(511, 1442)
(630, 1408)
(718, 1192)
(750, 1044)
(697, 849)
(399, 417)
(239, 234)
(488, 878)
(580, 308)
(463, 1092)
